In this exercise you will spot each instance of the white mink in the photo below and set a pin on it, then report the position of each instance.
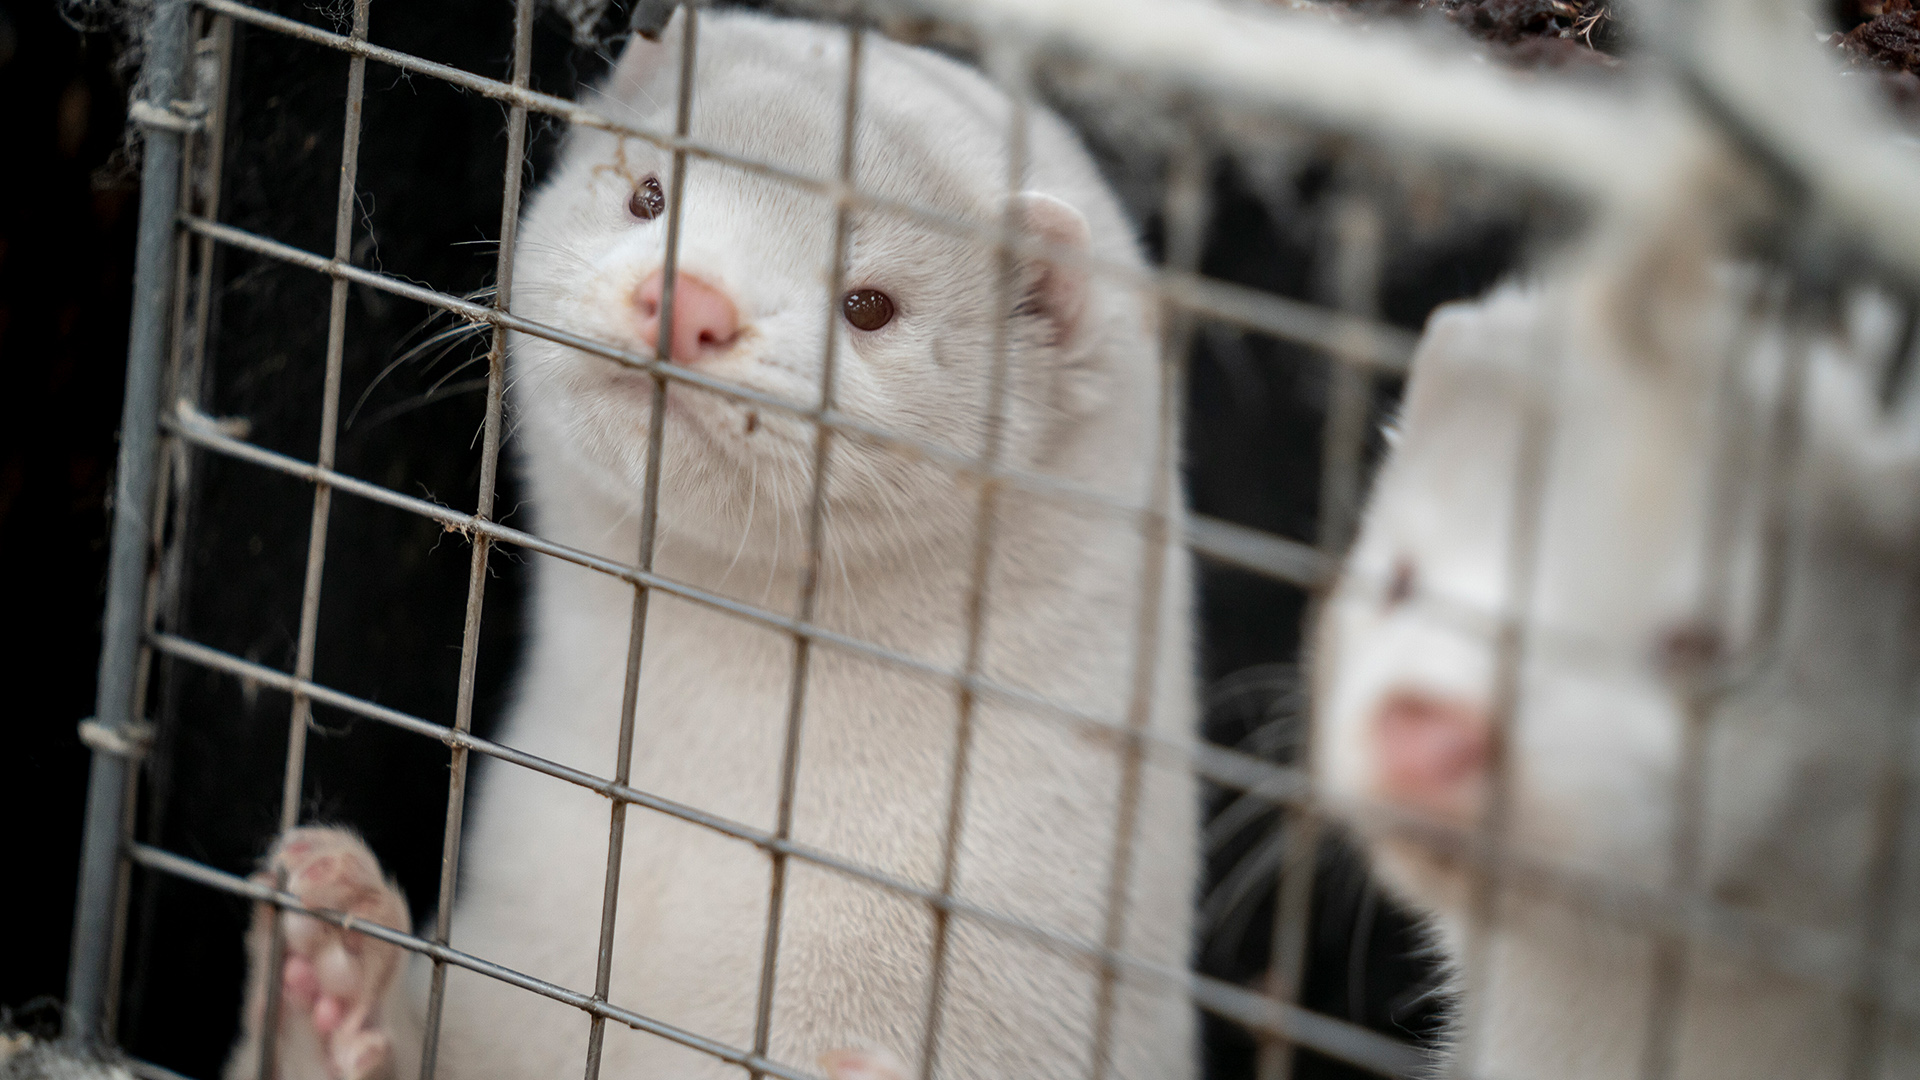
(1062, 611)
(1659, 399)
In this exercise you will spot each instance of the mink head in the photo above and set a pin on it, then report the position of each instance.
(1607, 517)
(914, 323)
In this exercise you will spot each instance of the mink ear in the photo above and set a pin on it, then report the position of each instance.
(651, 61)
(1054, 288)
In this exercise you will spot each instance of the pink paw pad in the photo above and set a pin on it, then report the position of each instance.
(333, 980)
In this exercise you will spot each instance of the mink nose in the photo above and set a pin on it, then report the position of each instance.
(704, 320)
(1433, 752)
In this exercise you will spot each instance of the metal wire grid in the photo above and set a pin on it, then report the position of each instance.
(1360, 345)
(1364, 342)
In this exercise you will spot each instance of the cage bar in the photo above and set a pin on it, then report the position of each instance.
(512, 172)
(301, 714)
(102, 840)
(810, 573)
(649, 522)
(1011, 70)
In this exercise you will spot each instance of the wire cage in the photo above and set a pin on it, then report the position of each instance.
(1165, 93)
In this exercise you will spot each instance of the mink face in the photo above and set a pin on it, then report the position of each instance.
(911, 322)
(1617, 567)
(1412, 665)
(1613, 505)
(925, 311)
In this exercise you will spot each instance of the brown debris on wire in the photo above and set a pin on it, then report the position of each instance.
(1511, 22)
(1881, 38)
(1881, 33)
(1541, 33)
(1878, 39)
(1520, 33)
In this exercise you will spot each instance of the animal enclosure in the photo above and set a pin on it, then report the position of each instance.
(1222, 127)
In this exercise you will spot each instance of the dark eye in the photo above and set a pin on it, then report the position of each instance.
(867, 309)
(1400, 587)
(647, 201)
(1689, 648)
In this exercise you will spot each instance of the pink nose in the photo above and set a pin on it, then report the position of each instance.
(704, 320)
(1433, 752)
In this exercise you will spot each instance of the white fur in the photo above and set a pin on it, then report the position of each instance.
(1639, 372)
(878, 741)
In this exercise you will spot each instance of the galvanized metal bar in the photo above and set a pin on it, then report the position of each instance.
(345, 201)
(1489, 866)
(1277, 558)
(212, 49)
(194, 344)
(1700, 693)
(1670, 966)
(102, 839)
(512, 172)
(1892, 798)
(1352, 280)
(1355, 273)
(165, 465)
(196, 104)
(301, 714)
(810, 571)
(1187, 211)
(649, 529)
(1012, 69)
(1695, 695)
(1895, 847)
(123, 877)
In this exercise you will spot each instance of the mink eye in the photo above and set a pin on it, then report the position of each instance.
(867, 309)
(1689, 648)
(647, 201)
(1400, 587)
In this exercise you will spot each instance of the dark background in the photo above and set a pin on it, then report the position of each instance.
(66, 255)
(395, 586)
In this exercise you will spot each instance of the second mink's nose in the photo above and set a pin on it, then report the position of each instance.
(704, 319)
(1434, 752)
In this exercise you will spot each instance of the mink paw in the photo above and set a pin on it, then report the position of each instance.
(333, 982)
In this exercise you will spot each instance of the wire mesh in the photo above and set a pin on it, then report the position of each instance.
(1209, 68)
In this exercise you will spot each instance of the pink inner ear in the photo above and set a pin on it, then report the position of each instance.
(1058, 290)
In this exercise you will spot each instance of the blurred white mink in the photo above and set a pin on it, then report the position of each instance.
(915, 346)
(1658, 403)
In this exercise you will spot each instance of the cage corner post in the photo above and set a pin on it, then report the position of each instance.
(113, 731)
